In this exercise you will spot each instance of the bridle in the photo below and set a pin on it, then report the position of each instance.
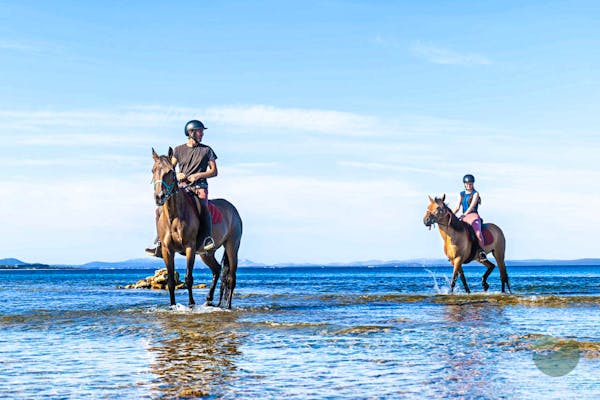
(441, 212)
(170, 189)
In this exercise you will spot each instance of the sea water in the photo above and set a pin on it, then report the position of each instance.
(303, 332)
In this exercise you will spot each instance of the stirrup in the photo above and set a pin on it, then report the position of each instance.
(208, 244)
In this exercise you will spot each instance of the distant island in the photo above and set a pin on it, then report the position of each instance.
(156, 263)
(13, 263)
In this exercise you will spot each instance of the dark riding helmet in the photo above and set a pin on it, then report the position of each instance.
(468, 178)
(193, 124)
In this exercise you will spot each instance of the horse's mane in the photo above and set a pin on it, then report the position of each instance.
(454, 222)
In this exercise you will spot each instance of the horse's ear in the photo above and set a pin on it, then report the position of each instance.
(444, 197)
(431, 200)
(170, 152)
(154, 155)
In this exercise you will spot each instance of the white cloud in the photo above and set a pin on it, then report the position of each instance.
(143, 124)
(439, 55)
(323, 121)
(356, 197)
(8, 45)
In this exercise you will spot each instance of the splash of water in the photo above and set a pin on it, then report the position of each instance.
(196, 309)
(436, 287)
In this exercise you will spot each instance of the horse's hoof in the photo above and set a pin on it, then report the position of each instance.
(485, 285)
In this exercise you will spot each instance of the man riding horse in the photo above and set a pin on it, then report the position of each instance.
(197, 163)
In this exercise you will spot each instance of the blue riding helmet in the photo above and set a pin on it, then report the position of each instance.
(468, 178)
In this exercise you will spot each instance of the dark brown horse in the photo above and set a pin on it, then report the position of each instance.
(460, 247)
(178, 230)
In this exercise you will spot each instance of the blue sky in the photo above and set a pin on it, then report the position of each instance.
(333, 121)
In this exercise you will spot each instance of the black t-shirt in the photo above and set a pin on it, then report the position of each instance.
(192, 160)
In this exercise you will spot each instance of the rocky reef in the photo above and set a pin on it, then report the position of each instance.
(159, 282)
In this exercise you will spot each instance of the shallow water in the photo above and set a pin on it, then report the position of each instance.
(305, 333)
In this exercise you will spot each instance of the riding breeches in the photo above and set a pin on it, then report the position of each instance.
(206, 222)
(474, 220)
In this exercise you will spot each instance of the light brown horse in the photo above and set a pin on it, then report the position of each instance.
(460, 247)
(178, 230)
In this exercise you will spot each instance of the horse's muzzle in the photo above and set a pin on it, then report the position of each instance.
(429, 220)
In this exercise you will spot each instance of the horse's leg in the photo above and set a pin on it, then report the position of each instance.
(464, 279)
(490, 267)
(190, 256)
(210, 260)
(456, 265)
(224, 274)
(499, 256)
(169, 259)
(229, 276)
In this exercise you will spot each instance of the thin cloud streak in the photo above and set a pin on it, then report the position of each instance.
(246, 117)
(322, 121)
(439, 55)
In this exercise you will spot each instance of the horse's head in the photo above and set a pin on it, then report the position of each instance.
(164, 177)
(436, 210)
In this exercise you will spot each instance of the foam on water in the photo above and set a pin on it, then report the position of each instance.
(196, 309)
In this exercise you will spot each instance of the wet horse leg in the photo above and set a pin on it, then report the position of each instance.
(490, 267)
(229, 275)
(169, 259)
(190, 256)
(209, 259)
(464, 280)
(499, 256)
(458, 271)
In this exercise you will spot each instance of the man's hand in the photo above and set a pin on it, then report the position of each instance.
(181, 177)
(193, 178)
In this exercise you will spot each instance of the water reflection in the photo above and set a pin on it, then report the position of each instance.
(195, 354)
(468, 360)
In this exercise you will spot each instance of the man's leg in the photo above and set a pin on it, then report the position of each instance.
(208, 242)
(476, 224)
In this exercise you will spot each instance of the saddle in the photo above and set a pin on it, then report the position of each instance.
(487, 238)
(216, 217)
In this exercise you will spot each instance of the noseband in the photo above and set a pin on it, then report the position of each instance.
(170, 190)
(436, 220)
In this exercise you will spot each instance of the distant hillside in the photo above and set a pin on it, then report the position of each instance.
(156, 263)
(536, 262)
(11, 261)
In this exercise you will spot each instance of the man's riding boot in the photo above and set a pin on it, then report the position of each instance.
(155, 251)
(208, 242)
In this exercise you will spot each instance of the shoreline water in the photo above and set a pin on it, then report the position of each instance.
(302, 332)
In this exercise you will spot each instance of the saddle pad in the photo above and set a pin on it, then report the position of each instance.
(487, 235)
(215, 214)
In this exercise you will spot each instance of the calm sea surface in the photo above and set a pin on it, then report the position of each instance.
(311, 332)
